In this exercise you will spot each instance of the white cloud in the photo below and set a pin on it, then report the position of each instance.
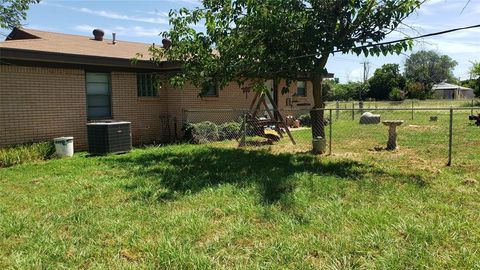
(158, 13)
(451, 47)
(432, 7)
(354, 75)
(113, 15)
(130, 31)
(195, 2)
(433, 2)
(41, 27)
(159, 19)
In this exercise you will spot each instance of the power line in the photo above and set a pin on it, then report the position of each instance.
(397, 41)
(463, 9)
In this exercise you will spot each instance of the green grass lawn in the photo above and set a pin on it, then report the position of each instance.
(275, 207)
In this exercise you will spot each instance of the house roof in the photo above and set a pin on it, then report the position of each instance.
(74, 44)
(29, 44)
(448, 86)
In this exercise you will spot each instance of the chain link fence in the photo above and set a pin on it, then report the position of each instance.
(428, 135)
(352, 109)
(408, 103)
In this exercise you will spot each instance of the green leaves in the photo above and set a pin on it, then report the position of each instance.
(475, 70)
(12, 12)
(385, 80)
(264, 39)
(428, 67)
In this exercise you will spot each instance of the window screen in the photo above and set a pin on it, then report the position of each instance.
(147, 85)
(98, 96)
(211, 91)
(301, 89)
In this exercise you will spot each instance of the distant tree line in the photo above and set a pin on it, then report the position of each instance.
(421, 71)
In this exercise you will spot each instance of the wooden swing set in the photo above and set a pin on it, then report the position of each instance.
(253, 125)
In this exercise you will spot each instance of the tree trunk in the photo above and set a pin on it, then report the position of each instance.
(317, 114)
(276, 86)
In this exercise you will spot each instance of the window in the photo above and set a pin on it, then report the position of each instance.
(210, 91)
(147, 85)
(98, 96)
(301, 89)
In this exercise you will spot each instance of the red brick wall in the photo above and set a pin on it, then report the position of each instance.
(228, 98)
(233, 97)
(38, 104)
(187, 97)
(305, 102)
(298, 105)
(149, 115)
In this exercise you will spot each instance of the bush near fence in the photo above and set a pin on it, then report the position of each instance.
(229, 130)
(305, 120)
(207, 131)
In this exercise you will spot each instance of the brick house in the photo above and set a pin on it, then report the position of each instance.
(52, 84)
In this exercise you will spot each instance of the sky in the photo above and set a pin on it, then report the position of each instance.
(143, 21)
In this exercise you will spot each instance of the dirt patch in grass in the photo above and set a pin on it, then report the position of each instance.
(473, 143)
(470, 181)
(128, 255)
(421, 127)
(291, 148)
(348, 155)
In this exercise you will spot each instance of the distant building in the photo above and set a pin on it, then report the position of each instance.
(451, 91)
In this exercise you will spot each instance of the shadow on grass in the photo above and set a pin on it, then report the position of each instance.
(163, 175)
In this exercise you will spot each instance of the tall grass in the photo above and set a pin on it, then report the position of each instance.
(475, 103)
(26, 153)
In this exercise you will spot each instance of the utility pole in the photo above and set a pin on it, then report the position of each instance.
(366, 70)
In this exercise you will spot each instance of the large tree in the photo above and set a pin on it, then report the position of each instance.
(255, 40)
(346, 91)
(475, 70)
(475, 77)
(384, 80)
(12, 12)
(429, 67)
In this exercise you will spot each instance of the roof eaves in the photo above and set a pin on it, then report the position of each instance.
(53, 57)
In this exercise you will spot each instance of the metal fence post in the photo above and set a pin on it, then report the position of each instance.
(412, 109)
(184, 116)
(353, 110)
(245, 126)
(473, 105)
(330, 134)
(450, 139)
(338, 111)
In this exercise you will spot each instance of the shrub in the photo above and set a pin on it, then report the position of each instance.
(396, 95)
(229, 130)
(202, 132)
(305, 120)
(26, 153)
(417, 90)
(347, 91)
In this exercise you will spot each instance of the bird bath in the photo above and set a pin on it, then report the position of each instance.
(392, 133)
